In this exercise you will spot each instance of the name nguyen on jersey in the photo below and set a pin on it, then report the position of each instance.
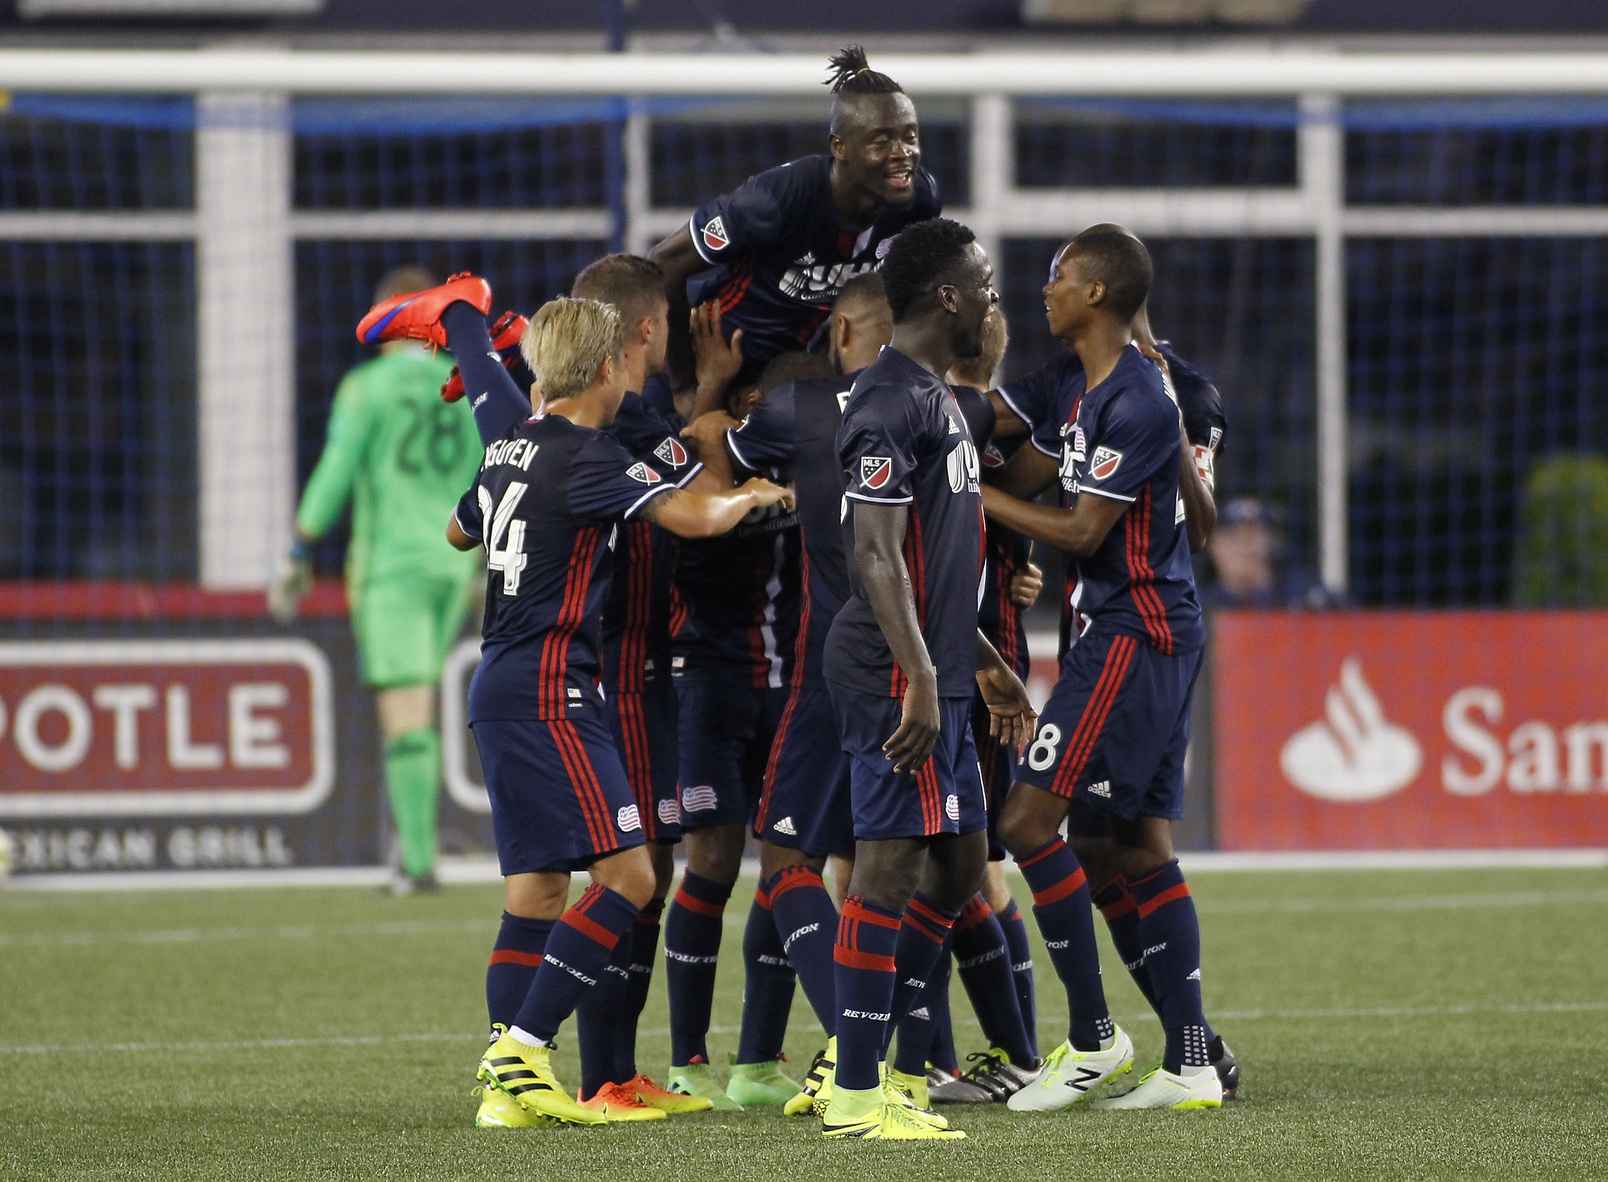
(518, 452)
(819, 282)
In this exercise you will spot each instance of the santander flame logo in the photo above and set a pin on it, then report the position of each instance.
(1355, 754)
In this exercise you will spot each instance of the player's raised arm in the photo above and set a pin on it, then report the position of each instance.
(678, 258)
(879, 534)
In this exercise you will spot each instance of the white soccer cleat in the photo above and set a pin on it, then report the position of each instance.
(1196, 1087)
(1069, 1075)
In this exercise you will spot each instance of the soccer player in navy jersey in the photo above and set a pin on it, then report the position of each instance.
(774, 252)
(546, 505)
(1116, 728)
(902, 660)
(1041, 401)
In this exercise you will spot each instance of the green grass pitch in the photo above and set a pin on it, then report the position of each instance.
(1404, 1024)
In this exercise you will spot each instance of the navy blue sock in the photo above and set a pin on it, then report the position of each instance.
(1061, 906)
(1021, 950)
(807, 922)
(942, 1052)
(1116, 903)
(692, 926)
(644, 941)
(984, 961)
(924, 931)
(578, 952)
(1170, 932)
(493, 395)
(514, 959)
(768, 984)
(919, 1028)
(867, 936)
(597, 1029)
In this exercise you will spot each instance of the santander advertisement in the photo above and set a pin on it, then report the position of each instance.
(1409, 730)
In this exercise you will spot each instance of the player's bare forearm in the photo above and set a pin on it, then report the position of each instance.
(1026, 475)
(707, 433)
(879, 532)
(1200, 506)
(1007, 424)
(1078, 530)
(678, 258)
(704, 515)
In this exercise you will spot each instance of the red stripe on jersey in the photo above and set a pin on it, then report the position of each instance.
(1095, 714)
(636, 755)
(801, 642)
(927, 790)
(638, 604)
(678, 612)
(571, 614)
(1143, 577)
(732, 292)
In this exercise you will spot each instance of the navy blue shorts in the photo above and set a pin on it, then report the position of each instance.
(725, 734)
(1114, 732)
(559, 797)
(644, 727)
(805, 805)
(945, 796)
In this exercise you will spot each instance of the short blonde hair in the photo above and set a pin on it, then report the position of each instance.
(567, 342)
(979, 371)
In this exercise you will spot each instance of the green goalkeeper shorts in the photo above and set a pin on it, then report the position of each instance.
(405, 629)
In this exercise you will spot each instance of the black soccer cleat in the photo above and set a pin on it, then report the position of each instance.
(1227, 1067)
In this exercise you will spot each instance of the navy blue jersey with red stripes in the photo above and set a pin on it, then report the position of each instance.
(903, 441)
(546, 504)
(782, 254)
(636, 612)
(1120, 440)
(739, 600)
(1036, 397)
(794, 428)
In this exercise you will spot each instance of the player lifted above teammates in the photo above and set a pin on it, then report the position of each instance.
(1042, 400)
(1111, 746)
(775, 252)
(903, 658)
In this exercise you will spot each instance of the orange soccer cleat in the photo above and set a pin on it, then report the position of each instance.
(416, 315)
(505, 337)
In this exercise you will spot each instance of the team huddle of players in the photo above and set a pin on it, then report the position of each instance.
(735, 560)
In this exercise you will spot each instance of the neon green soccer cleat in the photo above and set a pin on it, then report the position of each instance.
(526, 1074)
(870, 1116)
(499, 1110)
(910, 1092)
(817, 1086)
(760, 1085)
(698, 1079)
(1196, 1088)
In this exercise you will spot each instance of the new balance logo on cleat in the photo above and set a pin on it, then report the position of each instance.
(786, 827)
(1086, 1078)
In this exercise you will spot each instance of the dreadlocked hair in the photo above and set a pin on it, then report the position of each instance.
(852, 74)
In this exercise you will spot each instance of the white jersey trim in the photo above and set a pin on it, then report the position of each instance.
(692, 228)
(854, 496)
(1110, 496)
(1015, 410)
(696, 468)
(645, 498)
(468, 533)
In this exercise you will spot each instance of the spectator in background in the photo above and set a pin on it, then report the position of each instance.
(1244, 550)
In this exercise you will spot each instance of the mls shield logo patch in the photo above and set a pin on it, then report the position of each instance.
(714, 234)
(1104, 463)
(875, 471)
(643, 473)
(671, 452)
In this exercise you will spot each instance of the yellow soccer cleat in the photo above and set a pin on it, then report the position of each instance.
(499, 1110)
(526, 1073)
(619, 1105)
(672, 1103)
(698, 1079)
(903, 1090)
(816, 1090)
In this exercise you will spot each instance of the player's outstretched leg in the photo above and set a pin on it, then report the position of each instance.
(505, 336)
(1170, 932)
(757, 1078)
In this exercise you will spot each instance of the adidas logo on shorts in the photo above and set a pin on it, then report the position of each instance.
(786, 827)
(1102, 788)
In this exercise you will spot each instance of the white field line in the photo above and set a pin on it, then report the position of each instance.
(473, 1037)
(738, 917)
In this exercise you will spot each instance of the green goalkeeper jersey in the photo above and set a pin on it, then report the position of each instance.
(403, 458)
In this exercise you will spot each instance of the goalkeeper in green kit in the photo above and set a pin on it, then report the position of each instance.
(402, 457)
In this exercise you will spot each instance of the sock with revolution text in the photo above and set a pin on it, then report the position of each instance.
(867, 936)
(984, 961)
(924, 932)
(768, 983)
(1170, 933)
(692, 927)
(807, 924)
(578, 952)
(1066, 920)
